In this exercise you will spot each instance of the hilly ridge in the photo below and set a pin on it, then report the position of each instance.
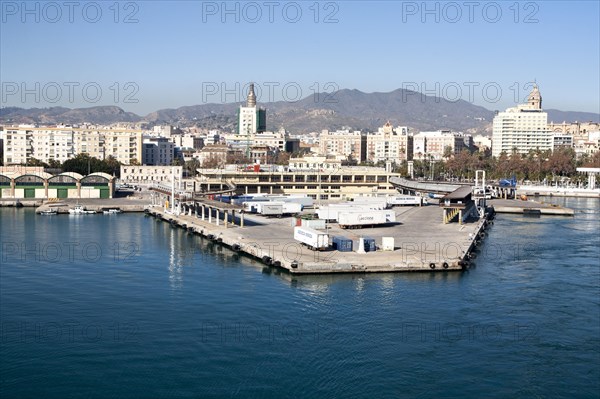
(348, 108)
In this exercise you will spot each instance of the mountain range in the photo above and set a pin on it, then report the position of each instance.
(345, 108)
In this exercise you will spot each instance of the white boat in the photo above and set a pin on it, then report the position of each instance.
(80, 210)
(112, 211)
(49, 212)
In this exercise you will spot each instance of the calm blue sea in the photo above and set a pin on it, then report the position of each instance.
(124, 306)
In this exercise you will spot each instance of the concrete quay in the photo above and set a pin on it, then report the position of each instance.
(422, 241)
(531, 208)
(125, 204)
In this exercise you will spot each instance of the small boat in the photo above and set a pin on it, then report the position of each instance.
(111, 211)
(80, 210)
(49, 212)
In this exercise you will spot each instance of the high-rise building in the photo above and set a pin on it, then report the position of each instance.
(522, 128)
(251, 119)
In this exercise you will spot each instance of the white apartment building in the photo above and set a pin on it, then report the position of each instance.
(560, 140)
(427, 145)
(389, 144)
(158, 151)
(61, 143)
(343, 142)
(524, 127)
(275, 140)
(188, 141)
(54, 144)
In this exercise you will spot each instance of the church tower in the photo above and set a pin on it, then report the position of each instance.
(535, 98)
(251, 100)
(251, 119)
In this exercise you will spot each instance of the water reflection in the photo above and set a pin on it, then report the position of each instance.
(317, 283)
(175, 265)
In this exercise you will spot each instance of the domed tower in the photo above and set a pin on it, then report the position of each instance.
(535, 98)
(251, 100)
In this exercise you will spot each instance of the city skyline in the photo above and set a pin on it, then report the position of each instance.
(143, 56)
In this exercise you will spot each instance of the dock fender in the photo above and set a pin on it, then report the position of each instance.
(432, 265)
(266, 259)
(445, 265)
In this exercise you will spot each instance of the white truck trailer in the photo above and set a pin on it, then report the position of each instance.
(404, 200)
(278, 208)
(356, 220)
(373, 202)
(314, 239)
(331, 212)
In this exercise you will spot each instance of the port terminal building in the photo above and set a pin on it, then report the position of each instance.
(42, 185)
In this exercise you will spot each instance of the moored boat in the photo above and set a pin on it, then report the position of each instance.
(80, 210)
(111, 211)
(49, 212)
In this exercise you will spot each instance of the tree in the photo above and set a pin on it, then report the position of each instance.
(282, 158)
(54, 164)
(592, 161)
(212, 162)
(448, 152)
(84, 164)
(237, 158)
(36, 162)
(191, 165)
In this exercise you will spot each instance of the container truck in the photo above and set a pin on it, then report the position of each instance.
(314, 239)
(356, 220)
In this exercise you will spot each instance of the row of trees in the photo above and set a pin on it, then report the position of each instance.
(536, 165)
(82, 164)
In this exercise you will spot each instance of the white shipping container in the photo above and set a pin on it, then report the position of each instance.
(312, 238)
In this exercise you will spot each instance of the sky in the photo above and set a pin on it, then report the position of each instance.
(148, 55)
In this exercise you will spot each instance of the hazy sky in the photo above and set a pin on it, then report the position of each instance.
(147, 55)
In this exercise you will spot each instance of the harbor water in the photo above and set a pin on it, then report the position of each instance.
(126, 306)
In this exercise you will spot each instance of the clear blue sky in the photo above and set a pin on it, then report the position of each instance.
(186, 53)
